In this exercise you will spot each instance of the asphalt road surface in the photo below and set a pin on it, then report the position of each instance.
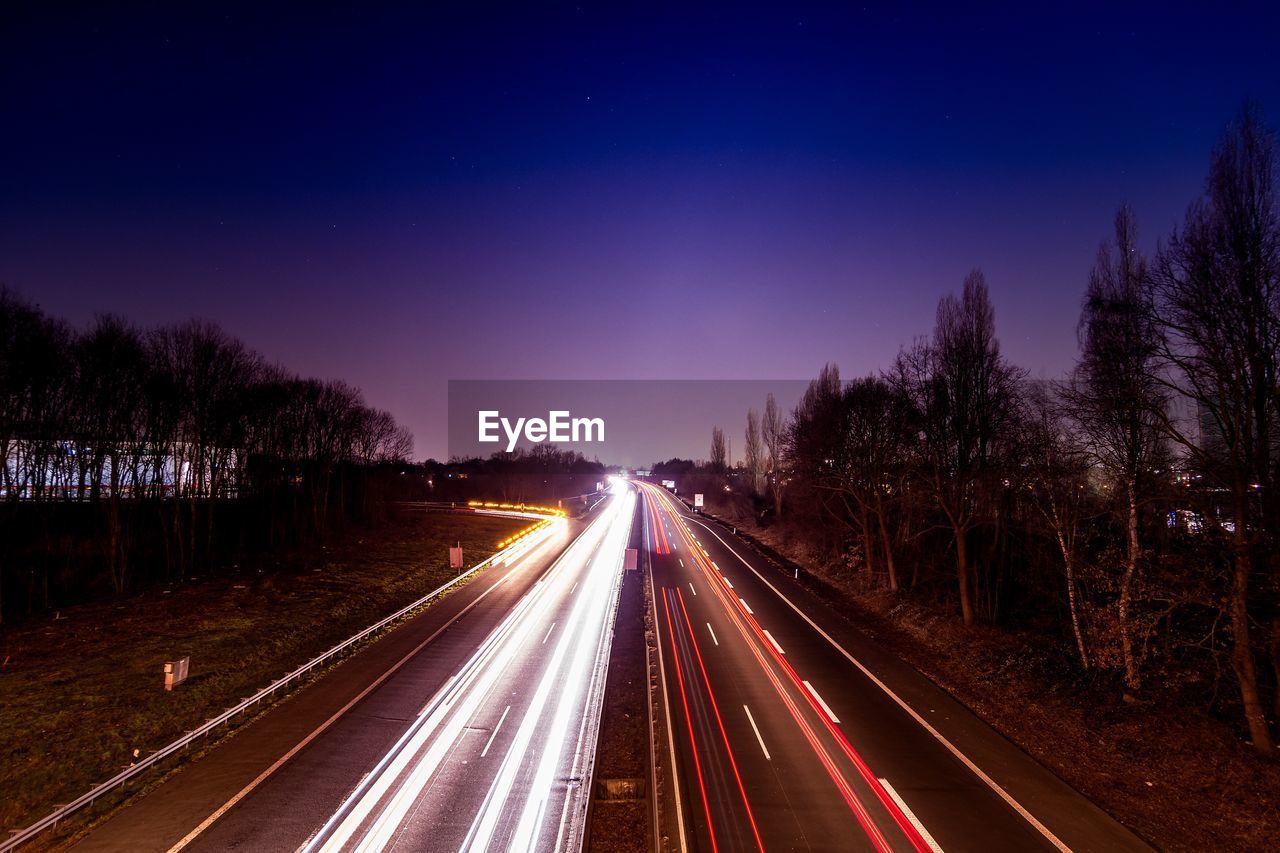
(472, 730)
(791, 731)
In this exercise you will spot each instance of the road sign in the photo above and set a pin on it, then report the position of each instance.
(632, 560)
(455, 557)
(175, 672)
(697, 500)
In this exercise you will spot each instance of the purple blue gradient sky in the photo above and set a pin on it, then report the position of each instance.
(398, 198)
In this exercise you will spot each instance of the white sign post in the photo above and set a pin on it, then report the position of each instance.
(175, 672)
(697, 501)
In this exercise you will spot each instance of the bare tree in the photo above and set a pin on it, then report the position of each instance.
(874, 461)
(814, 448)
(1058, 479)
(964, 395)
(1119, 401)
(848, 444)
(754, 453)
(162, 427)
(206, 375)
(719, 461)
(35, 392)
(1217, 291)
(774, 431)
(35, 367)
(111, 376)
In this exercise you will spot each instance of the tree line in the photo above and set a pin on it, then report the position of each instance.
(543, 473)
(126, 450)
(1130, 507)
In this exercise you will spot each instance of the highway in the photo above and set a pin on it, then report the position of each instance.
(479, 737)
(788, 730)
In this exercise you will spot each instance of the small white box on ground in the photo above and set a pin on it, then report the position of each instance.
(175, 672)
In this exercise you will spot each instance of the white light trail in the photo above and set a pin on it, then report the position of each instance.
(376, 813)
(581, 637)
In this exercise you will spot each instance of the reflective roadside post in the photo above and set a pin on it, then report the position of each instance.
(175, 672)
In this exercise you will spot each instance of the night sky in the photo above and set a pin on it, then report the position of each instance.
(599, 191)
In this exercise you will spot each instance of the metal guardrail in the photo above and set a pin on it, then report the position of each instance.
(62, 812)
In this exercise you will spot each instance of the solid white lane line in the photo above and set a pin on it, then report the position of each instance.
(549, 630)
(489, 742)
(775, 642)
(911, 816)
(747, 606)
(756, 729)
(713, 634)
(443, 690)
(902, 703)
(438, 731)
(691, 589)
(666, 708)
(298, 747)
(825, 706)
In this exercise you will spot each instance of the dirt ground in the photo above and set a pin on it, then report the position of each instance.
(81, 689)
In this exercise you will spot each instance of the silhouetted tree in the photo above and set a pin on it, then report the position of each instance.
(964, 399)
(109, 430)
(875, 459)
(774, 431)
(106, 431)
(1216, 293)
(719, 459)
(1118, 399)
(754, 454)
(1058, 479)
